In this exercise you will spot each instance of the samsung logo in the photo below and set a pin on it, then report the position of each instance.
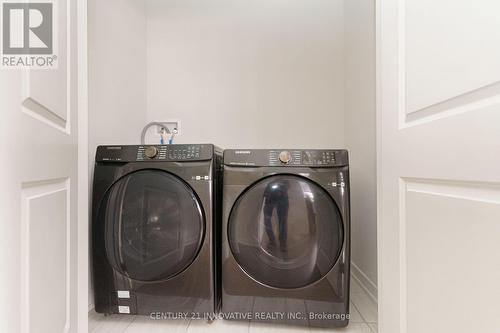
(246, 152)
(114, 148)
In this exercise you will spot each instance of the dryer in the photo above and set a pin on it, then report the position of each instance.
(154, 229)
(286, 236)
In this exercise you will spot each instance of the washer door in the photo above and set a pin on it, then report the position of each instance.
(153, 224)
(285, 231)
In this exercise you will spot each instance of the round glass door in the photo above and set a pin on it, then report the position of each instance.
(285, 231)
(153, 224)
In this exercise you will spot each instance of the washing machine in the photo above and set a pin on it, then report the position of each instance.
(155, 221)
(285, 239)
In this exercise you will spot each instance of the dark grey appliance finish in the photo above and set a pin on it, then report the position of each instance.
(286, 236)
(156, 229)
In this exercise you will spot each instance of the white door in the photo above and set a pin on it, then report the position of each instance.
(39, 188)
(438, 165)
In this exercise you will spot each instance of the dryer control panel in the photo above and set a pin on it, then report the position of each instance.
(170, 153)
(286, 157)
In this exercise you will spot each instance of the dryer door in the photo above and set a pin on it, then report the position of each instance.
(285, 231)
(153, 224)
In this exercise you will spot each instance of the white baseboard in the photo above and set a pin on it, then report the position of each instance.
(91, 307)
(364, 281)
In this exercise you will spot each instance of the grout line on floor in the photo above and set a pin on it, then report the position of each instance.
(131, 322)
(188, 324)
(360, 314)
(364, 289)
(371, 327)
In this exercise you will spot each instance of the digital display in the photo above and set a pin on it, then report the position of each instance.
(318, 157)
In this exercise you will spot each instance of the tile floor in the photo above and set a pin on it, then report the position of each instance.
(363, 320)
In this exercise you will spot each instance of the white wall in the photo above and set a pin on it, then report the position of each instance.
(262, 73)
(117, 74)
(360, 136)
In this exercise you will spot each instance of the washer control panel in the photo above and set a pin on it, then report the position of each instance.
(172, 153)
(286, 157)
(169, 152)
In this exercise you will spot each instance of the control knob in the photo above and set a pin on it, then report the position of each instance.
(285, 157)
(151, 152)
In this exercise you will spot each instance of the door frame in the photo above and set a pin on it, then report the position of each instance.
(83, 168)
(378, 138)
